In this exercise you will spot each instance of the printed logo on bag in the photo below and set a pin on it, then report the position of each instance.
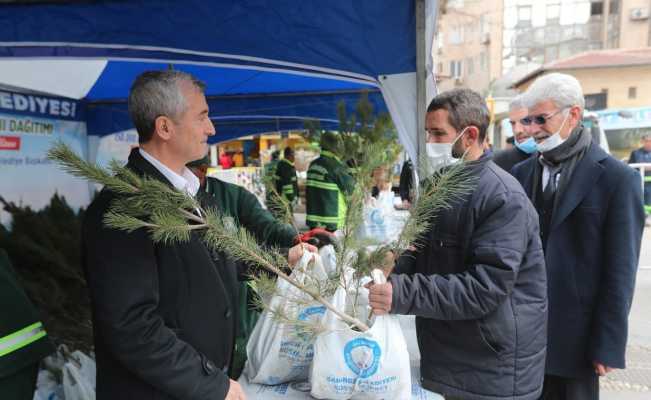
(310, 313)
(362, 356)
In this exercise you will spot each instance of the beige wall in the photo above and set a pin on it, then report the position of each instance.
(634, 34)
(617, 81)
(469, 18)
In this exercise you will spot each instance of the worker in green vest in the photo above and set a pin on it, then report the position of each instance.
(23, 340)
(328, 184)
(286, 182)
(242, 205)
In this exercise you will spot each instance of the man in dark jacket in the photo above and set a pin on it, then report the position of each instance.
(591, 221)
(523, 143)
(643, 155)
(328, 183)
(164, 314)
(477, 283)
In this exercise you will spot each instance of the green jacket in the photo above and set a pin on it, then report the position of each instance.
(286, 183)
(328, 182)
(23, 340)
(246, 210)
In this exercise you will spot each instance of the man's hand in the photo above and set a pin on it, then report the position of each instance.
(235, 392)
(296, 252)
(601, 369)
(380, 297)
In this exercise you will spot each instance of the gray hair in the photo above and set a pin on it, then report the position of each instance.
(561, 89)
(158, 93)
(465, 108)
(517, 103)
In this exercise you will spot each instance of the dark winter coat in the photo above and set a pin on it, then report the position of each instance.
(506, 159)
(592, 255)
(164, 315)
(478, 290)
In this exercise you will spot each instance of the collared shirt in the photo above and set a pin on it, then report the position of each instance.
(186, 183)
(545, 176)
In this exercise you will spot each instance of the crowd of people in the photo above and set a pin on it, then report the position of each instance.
(521, 288)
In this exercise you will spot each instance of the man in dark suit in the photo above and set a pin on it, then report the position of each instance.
(164, 315)
(591, 221)
(523, 143)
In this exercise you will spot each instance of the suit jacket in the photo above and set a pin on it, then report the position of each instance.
(506, 159)
(591, 256)
(164, 314)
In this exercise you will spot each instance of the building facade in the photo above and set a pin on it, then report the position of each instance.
(480, 41)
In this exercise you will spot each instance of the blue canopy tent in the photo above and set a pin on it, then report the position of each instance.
(257, 51)
(268, 64)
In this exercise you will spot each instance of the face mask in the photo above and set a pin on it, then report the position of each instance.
(440, 154)
(554, 140)
(528, 146)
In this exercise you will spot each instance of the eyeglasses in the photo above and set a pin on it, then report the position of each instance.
(540, 119)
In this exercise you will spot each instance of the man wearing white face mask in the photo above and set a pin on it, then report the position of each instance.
(591, 220)
(476, 282)
(524, 144)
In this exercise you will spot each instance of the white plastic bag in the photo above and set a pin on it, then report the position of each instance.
(360, 365)
(276, 352)
(79, 377)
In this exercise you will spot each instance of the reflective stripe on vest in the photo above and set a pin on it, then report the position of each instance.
(319, 218)
(322, 185)
(21, 338)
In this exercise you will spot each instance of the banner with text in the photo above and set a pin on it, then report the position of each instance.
(29, 125)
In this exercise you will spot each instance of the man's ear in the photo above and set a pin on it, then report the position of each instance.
(576, 115)
(472, 135)
(163, 127)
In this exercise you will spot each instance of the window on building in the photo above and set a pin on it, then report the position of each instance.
(596, 8)
(524, 16)
(483, 25)
(553, 11)
(455, 4)
(632, 92)
(470, 66)
(456, 68)
(456, 35)
(483, 61)
(614, 7)
(596, 101)
(551, 53)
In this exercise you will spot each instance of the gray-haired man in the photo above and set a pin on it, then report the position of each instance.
(591, 221)
(523, 144)
(477, 284)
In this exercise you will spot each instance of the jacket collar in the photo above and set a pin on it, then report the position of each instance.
(186, 183)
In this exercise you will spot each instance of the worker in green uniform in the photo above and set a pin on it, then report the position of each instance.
(269, 179)
(242, 205)
(23, 340)
(328, 184)
(286, 183)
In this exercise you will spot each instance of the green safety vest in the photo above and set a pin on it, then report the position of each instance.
(23, 340)
(328, 183)
(286, 182)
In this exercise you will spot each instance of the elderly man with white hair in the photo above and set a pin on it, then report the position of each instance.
(591, 222)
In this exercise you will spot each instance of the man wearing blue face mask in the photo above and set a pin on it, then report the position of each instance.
(524, 144)
(591, 221)
(476, 282)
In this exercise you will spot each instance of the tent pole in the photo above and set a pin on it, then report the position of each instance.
(420, 84)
